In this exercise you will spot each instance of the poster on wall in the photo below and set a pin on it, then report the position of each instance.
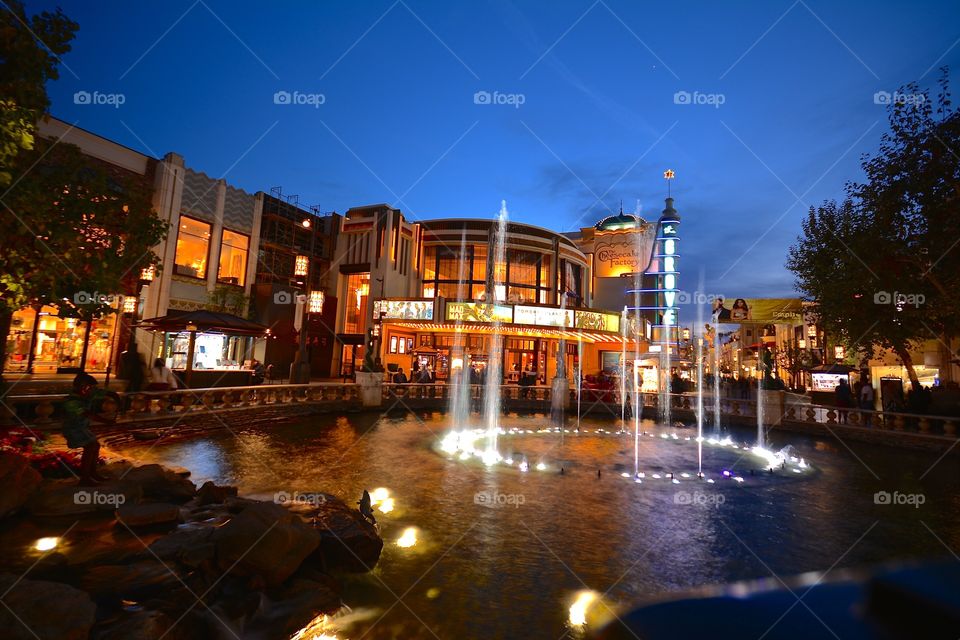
(479, 312)
(759, 310)
(543, 316)
(597, 321)
(403, 310)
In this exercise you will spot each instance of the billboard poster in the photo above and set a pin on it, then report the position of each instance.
(403, 310)
(597, 321)
(543, 316)
(759, 310)
(479, 312)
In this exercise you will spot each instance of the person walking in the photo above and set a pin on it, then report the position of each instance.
(866, 403)
(844, 399)
(161, 377)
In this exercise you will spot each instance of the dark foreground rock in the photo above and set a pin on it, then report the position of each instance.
(45, 610)
(148, 555)
(18, 481)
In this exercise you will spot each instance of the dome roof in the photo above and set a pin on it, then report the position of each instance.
(619, 221)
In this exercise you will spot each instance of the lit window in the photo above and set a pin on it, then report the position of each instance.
(357, 295)
(193, 241)
(233, 258)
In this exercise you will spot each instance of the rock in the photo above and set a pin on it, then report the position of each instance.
(143, 515)
(130, 581)
(44, 610)
(288, 610)
(347, 541)
(264, 540)
(140, 625)
(159, 483)
(66, 498)
(18, 481)
(210, 493)
(180, 542)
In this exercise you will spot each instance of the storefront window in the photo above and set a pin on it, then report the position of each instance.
(355, 302)
(210, 351)
(480, 263)
(430, 263)
(193, 243)
(59, 342)
(233, 258)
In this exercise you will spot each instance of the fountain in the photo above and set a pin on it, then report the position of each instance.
(560, 387)
(494, 370)
(716, 375)
(460, 376)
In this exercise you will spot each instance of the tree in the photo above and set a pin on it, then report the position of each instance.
(229, 299)
(882, 264)
(30, 50)
(76, 232)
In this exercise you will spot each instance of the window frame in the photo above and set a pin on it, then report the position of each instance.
(246, 261)
(180, 232)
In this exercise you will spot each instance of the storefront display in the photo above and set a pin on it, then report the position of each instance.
(59, 344)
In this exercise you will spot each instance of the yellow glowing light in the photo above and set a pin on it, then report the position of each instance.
(316, 629)
(378, 495)
(46, 544)
(456, 363)
(315, 302)
(408, 539)
(148, 274)
(578, 610)
(386, 506)
(300, 266)
(129, 304)
(669, 174)
(433, 593)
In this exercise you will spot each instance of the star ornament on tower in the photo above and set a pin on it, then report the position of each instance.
(669, 174)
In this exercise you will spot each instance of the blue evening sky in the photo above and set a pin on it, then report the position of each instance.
(400, 121)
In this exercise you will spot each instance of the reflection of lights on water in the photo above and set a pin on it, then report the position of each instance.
(509, 460)
(625, 474)
(541, 466)
(386, 506)
(433, 593)
(738, 479)
(709, 480)
(46, 544)
(408, 538)
(316, 629)
(524, 466)
(490, 457)
(578, 610)
(379, 495)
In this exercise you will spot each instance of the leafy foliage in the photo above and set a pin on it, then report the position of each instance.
(30, 48)
(882, 264)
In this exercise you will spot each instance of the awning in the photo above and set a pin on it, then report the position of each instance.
(350, 338)
(205, 321)
(841, 369)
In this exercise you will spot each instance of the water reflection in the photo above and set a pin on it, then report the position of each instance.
(513, 562)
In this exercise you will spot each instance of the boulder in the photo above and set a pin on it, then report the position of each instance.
(141, 625)
(286, 611)
(133, 581)
(66, 498)
(210, 493)
(46, 610)
(145, 515)
(18, 481)
(160, 483)
(348, 541)
(179, 542)
(264, 540)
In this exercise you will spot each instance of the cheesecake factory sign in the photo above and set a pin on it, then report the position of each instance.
(620, 252)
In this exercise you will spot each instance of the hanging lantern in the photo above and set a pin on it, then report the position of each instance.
(300, 266)
(315, 302)
(147, 275)
(130, 304)
(839, 352)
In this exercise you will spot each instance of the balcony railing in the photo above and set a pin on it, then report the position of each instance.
(789, 409)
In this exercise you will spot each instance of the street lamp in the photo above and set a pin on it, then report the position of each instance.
(313, 303)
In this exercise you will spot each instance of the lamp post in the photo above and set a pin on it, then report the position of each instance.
(312, 303)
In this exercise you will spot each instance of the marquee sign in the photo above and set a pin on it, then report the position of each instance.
(543, 316)
(479, 312)
(597, 321)
(403, 310)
